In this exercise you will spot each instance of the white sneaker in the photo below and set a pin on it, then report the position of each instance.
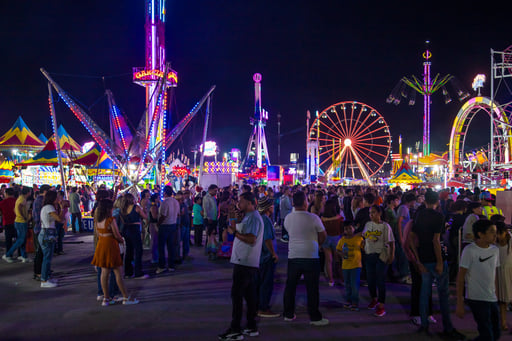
(161, 270)
(129, 301)
(99, 298)
(48, 284)
(289, 319)
(322, 322)
(7, 259)
(24, 259)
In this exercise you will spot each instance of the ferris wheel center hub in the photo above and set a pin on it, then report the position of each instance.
(348, 142)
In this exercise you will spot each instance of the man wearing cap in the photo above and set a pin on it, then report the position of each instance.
(488, 209)
(246, 259)
(268, 259)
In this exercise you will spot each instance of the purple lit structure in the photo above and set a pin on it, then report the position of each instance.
(426, 88)
(257, 151)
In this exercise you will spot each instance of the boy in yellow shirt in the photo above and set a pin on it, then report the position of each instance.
(349, 248)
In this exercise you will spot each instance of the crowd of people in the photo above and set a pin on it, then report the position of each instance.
(351, 235)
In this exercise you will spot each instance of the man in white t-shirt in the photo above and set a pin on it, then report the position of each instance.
(245, 256)
(306, 232)
(478, 271)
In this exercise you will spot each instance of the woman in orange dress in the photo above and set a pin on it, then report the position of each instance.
(107, 255)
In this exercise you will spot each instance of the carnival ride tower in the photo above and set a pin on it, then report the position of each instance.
(257, 151)
(154, 70)
(312, 146)
(426, 88)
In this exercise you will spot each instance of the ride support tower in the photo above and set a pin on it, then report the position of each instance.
(427, 88)
(257, 151)
(154, 70)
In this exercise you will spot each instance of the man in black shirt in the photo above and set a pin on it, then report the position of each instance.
(347, 205)
(427, 228)
(363, 215)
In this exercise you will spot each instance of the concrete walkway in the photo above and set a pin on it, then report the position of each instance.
(191, 304)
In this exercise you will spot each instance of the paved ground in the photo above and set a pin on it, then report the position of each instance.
(191, 304)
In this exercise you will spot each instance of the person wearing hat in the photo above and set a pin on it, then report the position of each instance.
(475, 211)
(488, 209)
(268, 258)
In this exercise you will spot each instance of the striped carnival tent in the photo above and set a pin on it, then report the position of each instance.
(104, 162)
(43, 138)
(67, 143)
(405, 175)
(20, 137)
(90, 158)
(46, 157)
(6, 173)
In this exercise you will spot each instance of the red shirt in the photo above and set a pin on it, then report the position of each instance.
(7, 209)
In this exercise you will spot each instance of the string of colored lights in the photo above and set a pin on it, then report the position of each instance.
(162, 137)
(56, 137)
(119, 128)
(148, 139)
(94, 130)
(178, 129)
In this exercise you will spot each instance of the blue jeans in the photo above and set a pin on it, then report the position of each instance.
(487, 318)
(21, 234)
(47, 247)
(266, 283)
(131, 234)
(427, 279)
(185, 239)
(60, 236)
(352, 277)
(113, 289)
(376, 275)
(167, 236)
(310, 268)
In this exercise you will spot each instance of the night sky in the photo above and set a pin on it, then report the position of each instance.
(311, 54)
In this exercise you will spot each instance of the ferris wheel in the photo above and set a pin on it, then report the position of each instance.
(353, 141)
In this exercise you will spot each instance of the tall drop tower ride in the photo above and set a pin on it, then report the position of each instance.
(154, 70)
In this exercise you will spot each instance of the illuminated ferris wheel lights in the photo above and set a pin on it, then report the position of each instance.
(347, 142)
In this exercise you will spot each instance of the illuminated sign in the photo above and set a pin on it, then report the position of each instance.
(478, 82)
(257, 77)
(220, 167)
(87, 146)
(210, 148)
(151, 75)
(235, 154)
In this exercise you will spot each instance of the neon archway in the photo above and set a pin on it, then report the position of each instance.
(461, 125)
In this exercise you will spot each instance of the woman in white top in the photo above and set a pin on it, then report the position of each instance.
(48, 236)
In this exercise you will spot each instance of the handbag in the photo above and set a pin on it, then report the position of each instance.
(384, 255)
(49, 236)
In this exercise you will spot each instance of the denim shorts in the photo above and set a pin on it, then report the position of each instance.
(331, 242)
